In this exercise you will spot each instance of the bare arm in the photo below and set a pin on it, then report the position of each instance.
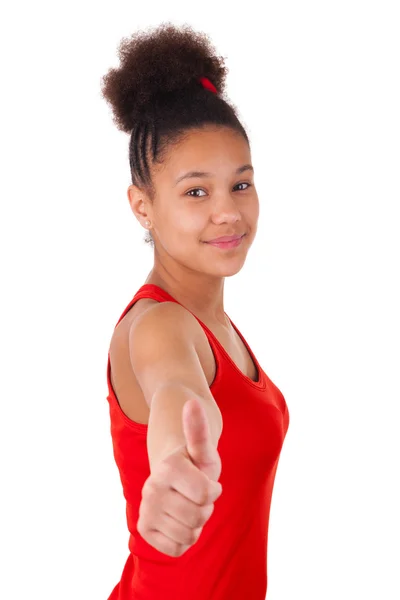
(165, 361)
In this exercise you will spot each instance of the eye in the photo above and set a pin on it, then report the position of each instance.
(200, 189)
(245, 183)
(194, 190)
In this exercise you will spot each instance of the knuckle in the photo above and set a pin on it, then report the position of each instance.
(197, 533)
(210, 495)
(197, 521)
(215, 491)
(199, 517)
(188, 537)
(192, 536)
(170, 463)
(206, 513)
(205, 492)
(149, 488)
(166, 465)
(183, 533)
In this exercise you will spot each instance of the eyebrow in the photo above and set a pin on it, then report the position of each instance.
(192, 174)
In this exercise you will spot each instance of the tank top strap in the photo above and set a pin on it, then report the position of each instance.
(146, 291)
(150, 290)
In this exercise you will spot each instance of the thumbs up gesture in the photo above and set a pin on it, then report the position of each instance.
(178, 497)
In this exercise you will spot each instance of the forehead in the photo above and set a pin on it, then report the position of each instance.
(208, 149)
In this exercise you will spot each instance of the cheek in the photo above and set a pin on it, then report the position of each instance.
(189, 220)
(197, 221)
(254, 211)
(181, 229)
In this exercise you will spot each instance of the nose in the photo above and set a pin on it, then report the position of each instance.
(225, 210)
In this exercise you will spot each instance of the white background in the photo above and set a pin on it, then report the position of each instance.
(317, 86)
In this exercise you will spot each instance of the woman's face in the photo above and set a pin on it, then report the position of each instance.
(189, 211)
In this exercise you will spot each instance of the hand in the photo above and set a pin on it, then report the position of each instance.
(178, 497)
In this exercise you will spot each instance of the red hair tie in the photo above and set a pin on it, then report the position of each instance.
(208, 85)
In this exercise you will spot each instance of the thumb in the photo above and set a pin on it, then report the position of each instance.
(199, 444)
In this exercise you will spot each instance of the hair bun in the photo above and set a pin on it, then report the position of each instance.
(155, 64)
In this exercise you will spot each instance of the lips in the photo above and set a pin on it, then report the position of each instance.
(226, 238)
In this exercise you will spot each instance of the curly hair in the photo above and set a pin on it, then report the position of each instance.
(156, 94)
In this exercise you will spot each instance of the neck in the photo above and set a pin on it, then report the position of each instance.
(202, 298)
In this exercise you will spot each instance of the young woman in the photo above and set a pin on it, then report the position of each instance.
(197, 426)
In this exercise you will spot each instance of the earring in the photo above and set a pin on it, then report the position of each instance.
(147, 223)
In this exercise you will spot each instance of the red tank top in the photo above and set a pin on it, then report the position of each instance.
(229, 560)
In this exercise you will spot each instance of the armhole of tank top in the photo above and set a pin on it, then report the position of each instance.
(214, 350)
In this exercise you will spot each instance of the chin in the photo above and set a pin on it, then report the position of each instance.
(226, 267)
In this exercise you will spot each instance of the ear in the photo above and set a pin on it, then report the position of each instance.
(140, 204)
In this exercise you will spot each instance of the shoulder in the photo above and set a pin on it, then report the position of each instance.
(162, 316)
(169, 317)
